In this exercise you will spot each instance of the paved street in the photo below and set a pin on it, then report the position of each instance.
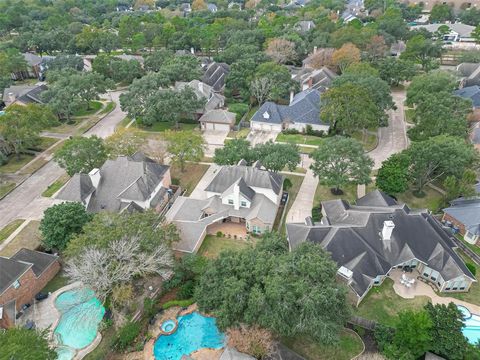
(393, 138)
(26, 200)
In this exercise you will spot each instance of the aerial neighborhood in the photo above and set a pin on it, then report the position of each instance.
(239, 180)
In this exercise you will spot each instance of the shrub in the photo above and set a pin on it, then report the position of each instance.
(181, 303)
(149, 307)
(290, 132)
(185, 291)
(3, 158)
(219, 234)
(287, 184)
(317, 213)
(309, 131)
(252, 340)
(126, 335)
(472, 268)
(239, 109)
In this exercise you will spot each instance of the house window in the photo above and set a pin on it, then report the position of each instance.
(230, 202)
(462, 288)
(446, 289)
(16, 284)
(256, 229)
(243, 203)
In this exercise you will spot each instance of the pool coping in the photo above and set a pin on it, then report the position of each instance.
(79, 353)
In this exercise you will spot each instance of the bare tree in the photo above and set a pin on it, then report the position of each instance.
(261, 89)
(118, 263)
(281, 50)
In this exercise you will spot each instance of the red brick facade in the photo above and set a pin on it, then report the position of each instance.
(30, 285)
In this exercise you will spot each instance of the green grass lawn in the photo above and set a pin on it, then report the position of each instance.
(190, 177)
(348, 347)
(252, 112)
(432, 200)
(292, 194)
(474, 248)
(104, 349)
(29, 238)
(9, 229)
(382, 304)
(123, 124)
(166, 125)
(5, 188)
(59, 281)
(94, 107)
(212, 245)
(108, 108)
(55, 186)
(299, 139)
(409, 115)
(44, 144)
(323, 193)
(15, 164)
(306, 150)
(369, 141)
(240, 134)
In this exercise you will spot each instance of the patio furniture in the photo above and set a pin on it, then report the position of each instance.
(408, 285)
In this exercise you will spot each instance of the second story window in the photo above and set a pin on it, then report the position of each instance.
(243, 203)
(230, 202)
(16, 284)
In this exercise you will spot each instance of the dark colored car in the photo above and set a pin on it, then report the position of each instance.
(41, 296)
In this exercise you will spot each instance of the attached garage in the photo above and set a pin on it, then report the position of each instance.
(218, 120)
(262, 126)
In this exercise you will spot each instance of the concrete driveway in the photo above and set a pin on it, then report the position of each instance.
(199, 191)
(302, 206)
(213, 139)
(25, 201)
(261, 137)
(393, 138)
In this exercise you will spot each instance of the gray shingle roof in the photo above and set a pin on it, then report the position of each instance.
(461, 29)
(215, 75)
(376, 198)
(32, 59)
(305, 109)
(471, 71)
(41, 261)
(253, 177)
(351, 234)
(319, 79)
(218, 116)
(470, 92)
(467, 211)
(126, 178)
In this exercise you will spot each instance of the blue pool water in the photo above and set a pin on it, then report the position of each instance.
(194, 332)
(81, 312)
(471, 330)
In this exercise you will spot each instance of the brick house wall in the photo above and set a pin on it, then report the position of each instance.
(30, 285)
(455, 222)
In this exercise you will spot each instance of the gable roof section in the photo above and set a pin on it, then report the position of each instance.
(218, 116)
(304, 108)
(215, 75)
(77, 189)
(41, 261)
(351, 234)
(252, 176)
(467, 211)
(376, 198)
(10, 271)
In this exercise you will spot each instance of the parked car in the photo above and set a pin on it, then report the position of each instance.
(41, 296)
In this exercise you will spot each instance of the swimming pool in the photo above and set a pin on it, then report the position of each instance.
(81, 313)
(194, 332)
(471, 330)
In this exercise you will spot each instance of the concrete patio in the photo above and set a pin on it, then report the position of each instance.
(420, 288)
(228, 228)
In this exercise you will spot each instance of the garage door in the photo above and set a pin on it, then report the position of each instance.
(222, 127)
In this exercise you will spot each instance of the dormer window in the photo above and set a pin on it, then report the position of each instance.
(266, 115)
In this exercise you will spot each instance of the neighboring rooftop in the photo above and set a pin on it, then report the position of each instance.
(215, 75)
(463, 30)
(218, 116)
(470, 92)
(467, 211)
(304, 108)
(471, 71)
(352, 234)
(319, 79)
(24, 93)
(202, 90)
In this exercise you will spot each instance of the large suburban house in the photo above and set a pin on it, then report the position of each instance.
(369, 239)
(464, 213)
(456, 4)
(128, 183)
(304, 109)
(245, 198)
(457, 31)
(202, 90)
(22, 276)
(319, 79)
(23, 94)
(472, 93)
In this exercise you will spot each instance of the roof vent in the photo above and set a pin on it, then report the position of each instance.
(387, 230)
(266, 115)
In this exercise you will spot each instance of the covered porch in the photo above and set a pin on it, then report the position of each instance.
(229, 227)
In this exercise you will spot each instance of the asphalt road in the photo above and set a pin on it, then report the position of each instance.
(26, 202)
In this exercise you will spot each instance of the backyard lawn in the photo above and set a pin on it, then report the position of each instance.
(108, 108)
(166, 125)
(432, 200)
(15, 164)
(240, 134)
(29, 238)
(59, 281)
(213, 245)
(323, 193)
(56, 185)
(9, 229)
(299, 139)
(190, 177)
(349, 346)
(382, 304)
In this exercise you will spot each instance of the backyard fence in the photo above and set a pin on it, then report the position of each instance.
(362, 322)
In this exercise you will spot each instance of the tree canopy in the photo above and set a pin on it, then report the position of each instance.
(290, 293)
(20, 343)
(184, 146)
